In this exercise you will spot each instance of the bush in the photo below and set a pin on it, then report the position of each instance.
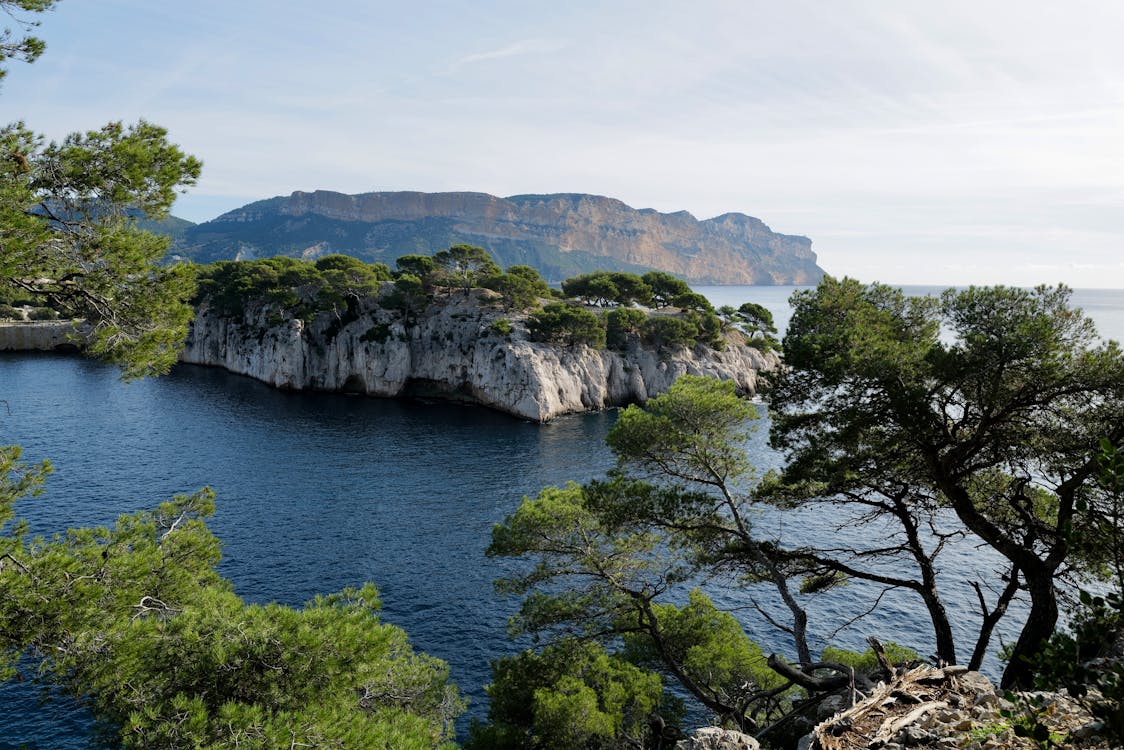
(560, 323)
(377, 333)
(867, 662)
(43, 313)
(664, 331)
(709, 328)
(501, 327)
(572, 694)
(622, 322)
(7, 312)
(408, 295)
(518, 291)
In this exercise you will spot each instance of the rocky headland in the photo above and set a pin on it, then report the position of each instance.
(454, 350)
(559, 234)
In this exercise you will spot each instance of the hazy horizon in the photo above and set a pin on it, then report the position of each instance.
(915, 144)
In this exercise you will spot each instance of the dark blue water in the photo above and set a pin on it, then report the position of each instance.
(317, 492)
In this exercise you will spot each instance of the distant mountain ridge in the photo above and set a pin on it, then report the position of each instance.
(560, 234)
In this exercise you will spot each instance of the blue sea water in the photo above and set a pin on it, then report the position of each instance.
(318, 491)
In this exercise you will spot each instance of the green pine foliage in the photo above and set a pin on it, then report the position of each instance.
(70, 240)
(667, 332)
(571, 695)
(566, 324)
(665, 287)
(135, 622)
(605, 288)
(623, 324)
(334, 284)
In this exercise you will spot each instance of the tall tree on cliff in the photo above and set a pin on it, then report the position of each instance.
(1000, 424)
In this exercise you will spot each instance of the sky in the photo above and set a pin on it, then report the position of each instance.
(914, 143)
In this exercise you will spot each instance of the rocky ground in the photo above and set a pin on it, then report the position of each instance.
(936, 709)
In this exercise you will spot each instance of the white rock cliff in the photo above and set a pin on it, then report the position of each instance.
(451, 350)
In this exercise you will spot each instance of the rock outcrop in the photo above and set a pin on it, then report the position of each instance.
(47, 335)
(937, 709)
(561, 235)
(451, 350)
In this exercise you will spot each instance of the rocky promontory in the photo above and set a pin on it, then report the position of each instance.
(454, 349)
(561, 235)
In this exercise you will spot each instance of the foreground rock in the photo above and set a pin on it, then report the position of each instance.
(941, 709)
(452, 351)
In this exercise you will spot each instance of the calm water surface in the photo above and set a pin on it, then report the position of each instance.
(317, 492)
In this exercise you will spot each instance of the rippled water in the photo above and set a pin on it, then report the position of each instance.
(317, 492)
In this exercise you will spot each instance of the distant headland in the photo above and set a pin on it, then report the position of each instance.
(561, 235)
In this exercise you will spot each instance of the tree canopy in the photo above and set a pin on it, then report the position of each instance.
(985, 416)
(134, 621)
(26, 47)
(608, 288)
(608, 555)
(998, 423)
(464, 266)
(69, 237)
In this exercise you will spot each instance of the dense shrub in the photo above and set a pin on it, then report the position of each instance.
(709, 328)
(665, 331)
(43, 313)
(572, 694)
(561, 323)
(501, 327)
(518, 291)
(408, 295)
(378, 334)
(7, 312)
(621, 323)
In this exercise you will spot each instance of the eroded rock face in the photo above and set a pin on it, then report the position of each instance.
(451, 350)
(560, 234)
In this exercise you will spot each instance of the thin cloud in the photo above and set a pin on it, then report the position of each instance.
(522, 47)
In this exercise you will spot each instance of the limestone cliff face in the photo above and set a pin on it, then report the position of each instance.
(561, 234)
(451, 350)
(40, 335)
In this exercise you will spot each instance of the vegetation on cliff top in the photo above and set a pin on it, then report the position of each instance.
(595, 309)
